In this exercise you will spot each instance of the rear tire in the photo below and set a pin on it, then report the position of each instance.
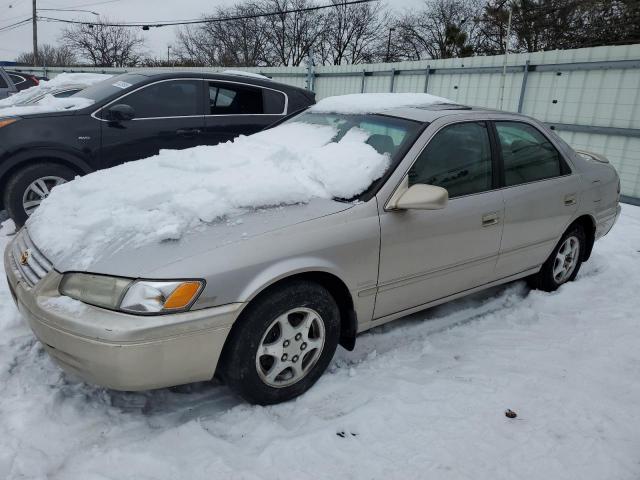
(282, 343)
(563, 264)
(29, 186)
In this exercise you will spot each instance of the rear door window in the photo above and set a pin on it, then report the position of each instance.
(234, 99)
(3, 83)
(527, 154)
(172, 98)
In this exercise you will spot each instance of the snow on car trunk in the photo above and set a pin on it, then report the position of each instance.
(163, 197)
(421, 398)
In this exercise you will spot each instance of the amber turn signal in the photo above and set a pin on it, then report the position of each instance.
(182, 296)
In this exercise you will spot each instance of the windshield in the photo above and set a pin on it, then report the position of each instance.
(387, 135)
(106, 88)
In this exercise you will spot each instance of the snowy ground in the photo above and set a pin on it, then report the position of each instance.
(423, 397)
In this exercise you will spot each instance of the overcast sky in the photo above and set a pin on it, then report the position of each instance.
(19, 40)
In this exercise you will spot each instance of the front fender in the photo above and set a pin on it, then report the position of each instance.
(291, 267)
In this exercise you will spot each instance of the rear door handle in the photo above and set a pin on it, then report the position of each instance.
(570, 199)
(489, 219)
(188, 132)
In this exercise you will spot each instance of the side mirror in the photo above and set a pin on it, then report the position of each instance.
(423, 197)
(120, 113)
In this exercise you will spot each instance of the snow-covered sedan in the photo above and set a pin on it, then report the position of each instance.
(254, 259)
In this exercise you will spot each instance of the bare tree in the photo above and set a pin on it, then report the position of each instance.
(291, 35)
(50, 56)
(440, 29)
(105, 45)
(233, 42)
(353, 33)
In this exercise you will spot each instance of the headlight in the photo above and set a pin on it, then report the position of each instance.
(135, 296)
(7, 121)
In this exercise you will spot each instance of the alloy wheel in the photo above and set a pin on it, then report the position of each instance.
(290, 347)
(566, 259)
(38, 190)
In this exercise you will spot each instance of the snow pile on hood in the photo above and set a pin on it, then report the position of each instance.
(46, 86)
(360, 103)
(163, 197)
(48, 104)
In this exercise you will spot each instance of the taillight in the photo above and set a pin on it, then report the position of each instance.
(35, 80)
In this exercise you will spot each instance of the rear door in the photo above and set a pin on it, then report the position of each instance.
(541, 196)
(236, 108)
(168, 115)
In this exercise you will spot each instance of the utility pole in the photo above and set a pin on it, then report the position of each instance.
(168, 61)
(389, 45)
(506, 54)
(34, 19)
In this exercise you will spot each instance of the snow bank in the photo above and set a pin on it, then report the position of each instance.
(165, 196)
(359, 103)
(421, 398)
(46, 86)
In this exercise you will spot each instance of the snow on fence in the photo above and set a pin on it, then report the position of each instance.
(591, 96)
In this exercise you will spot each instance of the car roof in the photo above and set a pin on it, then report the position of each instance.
(431, 112)
(231, 77)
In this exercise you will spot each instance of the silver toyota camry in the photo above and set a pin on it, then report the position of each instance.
(469, 199)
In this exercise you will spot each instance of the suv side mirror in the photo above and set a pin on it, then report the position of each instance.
(120, 113)
(423, 197)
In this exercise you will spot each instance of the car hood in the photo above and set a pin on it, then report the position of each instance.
(141, 262)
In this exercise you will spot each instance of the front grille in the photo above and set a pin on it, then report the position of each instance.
(28, 261)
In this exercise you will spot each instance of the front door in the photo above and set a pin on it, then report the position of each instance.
(168, 115)
(541, 197)
(426, 255)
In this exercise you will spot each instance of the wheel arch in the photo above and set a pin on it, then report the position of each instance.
(16, 163)
(336, 287)
(588, 224)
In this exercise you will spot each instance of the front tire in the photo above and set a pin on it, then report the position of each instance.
(30, 186)
(563, 264)
(282, 343)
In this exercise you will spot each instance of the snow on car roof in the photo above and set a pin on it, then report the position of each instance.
(184, 189)
(245, 74)
(361, 103)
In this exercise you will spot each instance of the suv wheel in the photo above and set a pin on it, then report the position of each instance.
(563, 264)
(27, 188)
(282, 343)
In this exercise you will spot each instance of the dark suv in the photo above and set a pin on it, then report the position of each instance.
(133, 116)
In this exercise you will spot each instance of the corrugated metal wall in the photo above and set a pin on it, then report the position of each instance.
(591, 95)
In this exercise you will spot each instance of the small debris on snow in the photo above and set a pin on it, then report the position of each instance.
(510, 413)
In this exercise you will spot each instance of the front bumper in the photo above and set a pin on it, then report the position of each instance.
(118, 350)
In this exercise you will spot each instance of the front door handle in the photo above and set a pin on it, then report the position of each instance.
(570, 199)
(489, 219)
(188, 132)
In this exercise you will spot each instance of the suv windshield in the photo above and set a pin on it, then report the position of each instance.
(102, 90)
(388, 135)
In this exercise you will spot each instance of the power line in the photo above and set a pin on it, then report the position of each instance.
(13, 26)
(158, 24)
